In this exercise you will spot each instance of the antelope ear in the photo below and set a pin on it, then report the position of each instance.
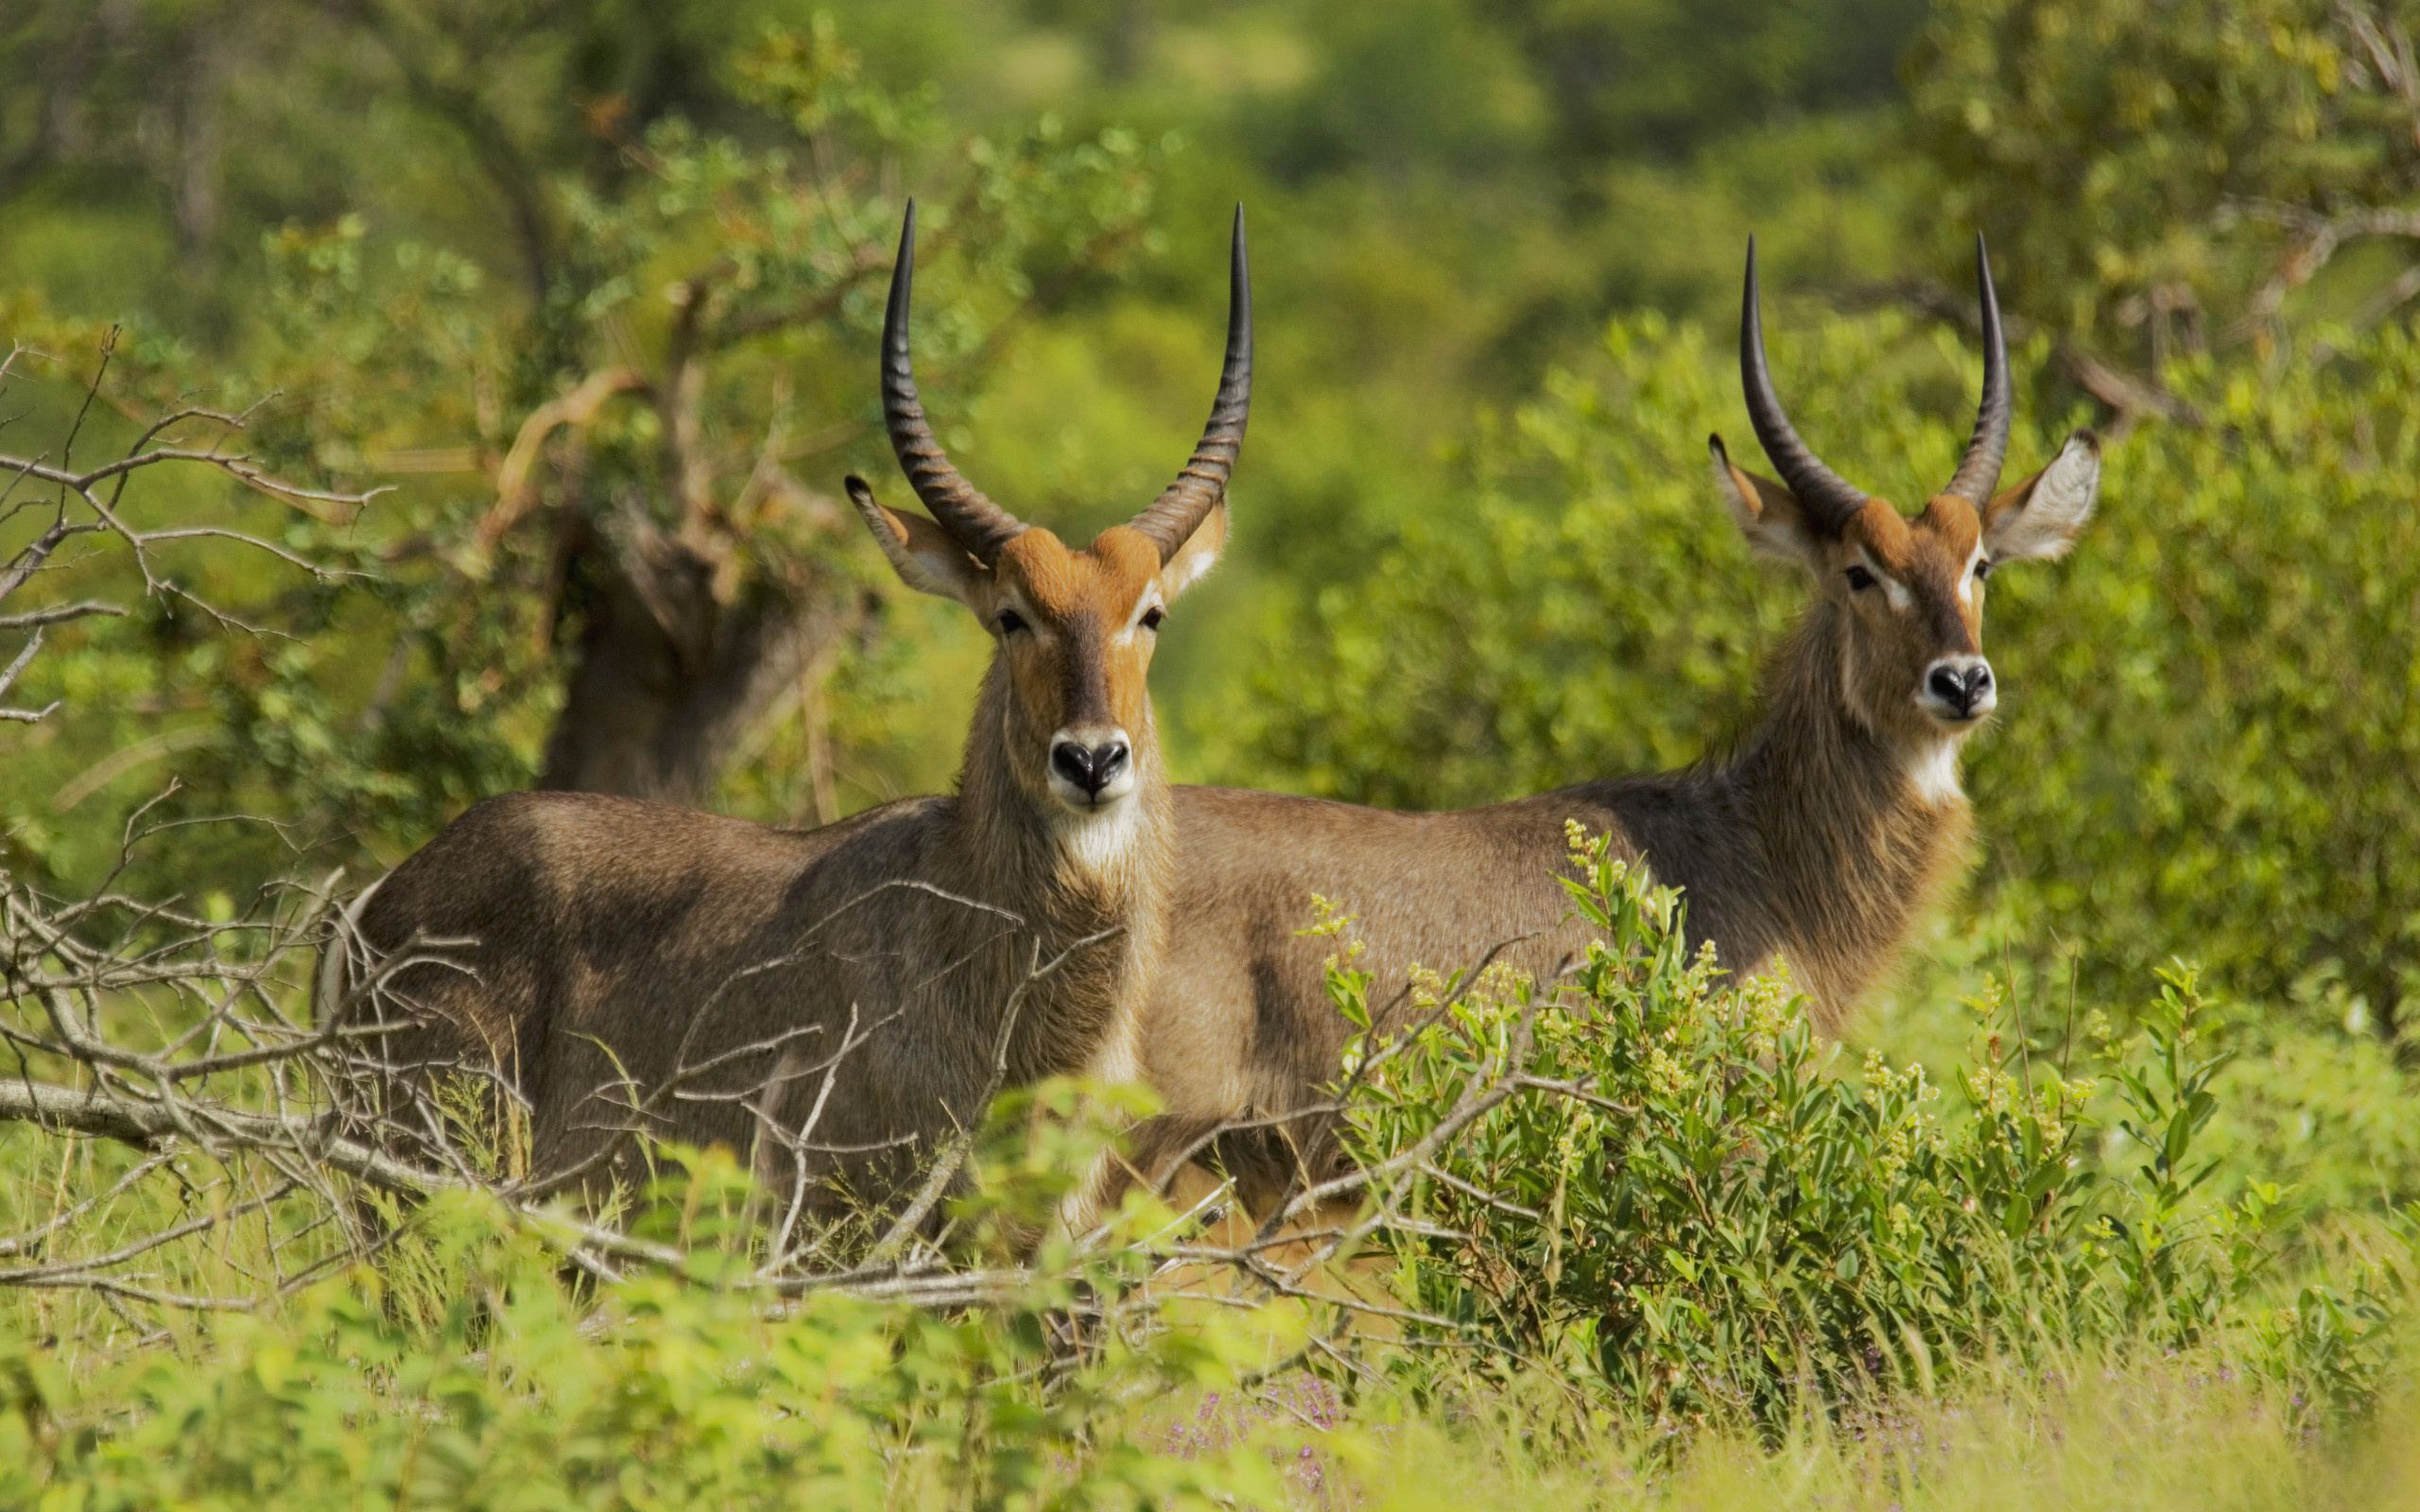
(926, 558)
(1198, 555)
(1775, 523)
(2039, 518)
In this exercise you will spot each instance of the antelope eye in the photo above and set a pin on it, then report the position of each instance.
(1011, 622)
(1152, 616)
(1859, 578)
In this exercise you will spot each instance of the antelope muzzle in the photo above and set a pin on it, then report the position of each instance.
(1091, 767)
(1959, 690)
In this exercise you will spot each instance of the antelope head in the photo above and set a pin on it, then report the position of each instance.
(1075, 627)
(1908, 593)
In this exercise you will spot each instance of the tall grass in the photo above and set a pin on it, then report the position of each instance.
(2120, 1430)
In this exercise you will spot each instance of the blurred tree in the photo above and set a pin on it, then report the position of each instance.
(230, 117)
(600, 570)
(1418, 85)
(2162, 180)
(1664, 79)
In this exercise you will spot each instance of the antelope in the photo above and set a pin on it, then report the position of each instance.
(1820, 839)
(823, 1000)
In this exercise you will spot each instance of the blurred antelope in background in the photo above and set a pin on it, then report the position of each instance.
(834, 999)
(1821, 838)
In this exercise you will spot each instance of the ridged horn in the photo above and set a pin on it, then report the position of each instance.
(1180, 508)
(1978, 472)
(977, 524)
(1825, 493)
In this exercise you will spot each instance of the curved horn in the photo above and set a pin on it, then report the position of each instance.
(1174, 515)
(1978, 472)
(976, 523)
(1826, 495)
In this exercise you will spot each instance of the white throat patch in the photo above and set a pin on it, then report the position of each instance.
(1933, 772)
(1097, 842)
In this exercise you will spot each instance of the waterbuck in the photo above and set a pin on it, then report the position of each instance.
(830, 999)
(1821, 837)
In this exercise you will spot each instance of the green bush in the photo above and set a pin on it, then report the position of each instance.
(1672, 1193)
(516, 1389)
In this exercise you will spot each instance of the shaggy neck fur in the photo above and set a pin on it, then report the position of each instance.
(1855, 830)
(1068, 877)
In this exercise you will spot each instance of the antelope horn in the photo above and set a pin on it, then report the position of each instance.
(976, 523)
(1174, 515)
(1826, 495)
(1978, 472)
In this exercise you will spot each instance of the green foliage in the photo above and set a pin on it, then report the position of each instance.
(1669, 77)
(662, 1393)
(2184, 144)
(2220, 757)
(472, 1366)
(420, 222)
(723, 298)
(1421, 85)
(1673, 1193)
(2099, 1434)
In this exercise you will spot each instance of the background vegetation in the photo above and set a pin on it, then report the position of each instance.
(588, 289)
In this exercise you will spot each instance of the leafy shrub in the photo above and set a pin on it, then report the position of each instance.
(1678, 1198)
(2152, 130)
(519, 1390)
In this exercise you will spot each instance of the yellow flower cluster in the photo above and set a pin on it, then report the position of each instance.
(1665, 1071)
(1765, 1004)
(1915, 1124)
(1329, 922)
(1897, 1146)
(1567, 1144)
(1697, 984)
(1588, 855)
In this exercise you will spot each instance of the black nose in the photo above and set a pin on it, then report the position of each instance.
(1961, 689)
(1090, 767)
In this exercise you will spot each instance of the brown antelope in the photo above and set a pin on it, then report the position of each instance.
(827, 998)
(1820, 839)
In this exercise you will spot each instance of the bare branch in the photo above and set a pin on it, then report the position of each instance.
(56, 614)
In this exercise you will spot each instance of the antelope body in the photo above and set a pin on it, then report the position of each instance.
(1821, 840)
(831, 998)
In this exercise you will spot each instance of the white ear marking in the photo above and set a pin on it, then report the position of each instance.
(1198, 553)
(2041, 521)
(1766, 513)
(1745, 512)
(924, 556)
(1187, 570)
